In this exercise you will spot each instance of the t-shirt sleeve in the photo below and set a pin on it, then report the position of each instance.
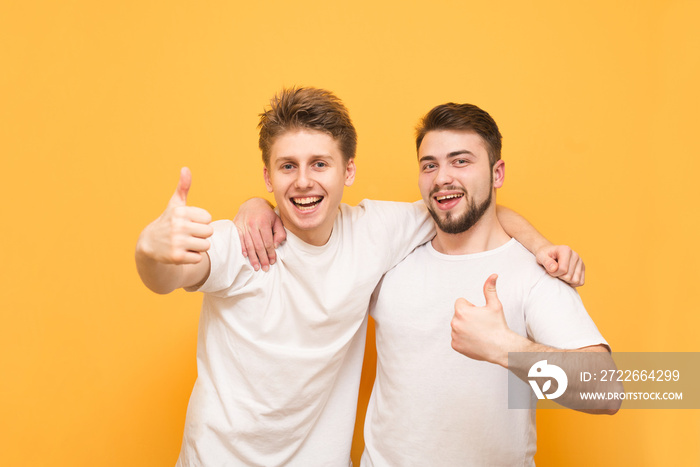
(400, 227)
(227, 261)
(555, 316)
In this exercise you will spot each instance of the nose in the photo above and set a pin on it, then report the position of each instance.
(303, 180)
(443, 175)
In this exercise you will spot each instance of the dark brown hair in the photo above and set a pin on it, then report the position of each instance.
(307, 108)
(462, 117)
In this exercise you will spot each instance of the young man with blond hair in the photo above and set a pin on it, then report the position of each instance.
(280, 353)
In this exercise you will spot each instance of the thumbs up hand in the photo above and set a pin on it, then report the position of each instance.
(179, 235)
(481, 332)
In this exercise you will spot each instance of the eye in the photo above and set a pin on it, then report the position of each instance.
(429, 166)
(460, 162)
(287, 167)
(320, 164)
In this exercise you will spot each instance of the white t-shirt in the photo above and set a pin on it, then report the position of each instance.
(279, 353)
(431, 405)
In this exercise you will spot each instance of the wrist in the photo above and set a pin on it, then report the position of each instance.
(258, 202)
(541, 246)
(145, 245)
(513, 343)
(142, 250)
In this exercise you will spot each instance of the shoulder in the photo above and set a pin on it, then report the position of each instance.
(225, 233)
(518, 270)
(227, 262)
(520, 257)
(373, 205)
(223, 225)
(386, 210)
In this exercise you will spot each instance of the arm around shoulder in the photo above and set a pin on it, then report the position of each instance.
(558, 260)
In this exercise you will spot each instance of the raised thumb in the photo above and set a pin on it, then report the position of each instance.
(183, 187)
(490, 290)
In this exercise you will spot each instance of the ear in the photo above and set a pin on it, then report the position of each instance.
(350, 172)
(268, 183)
(499, 174)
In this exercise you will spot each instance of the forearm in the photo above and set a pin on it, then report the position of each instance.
(519, 228)
(164, 276)
(518, 343)
(574, 363)
(161, 278)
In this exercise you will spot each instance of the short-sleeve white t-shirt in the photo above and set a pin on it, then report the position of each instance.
(279, 353)
(431, 405)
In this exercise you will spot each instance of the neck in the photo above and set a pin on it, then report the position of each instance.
(486, 234)
(317, 236)
(314, 237)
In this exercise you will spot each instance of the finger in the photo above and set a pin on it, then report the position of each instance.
(463, 303)
(241, 238)
(199, 230)
(572, 269)
(563, 255)
(576, 279)
(547, 261)
(279, 233)
(577, 276)
(179, 198)
(191, 257)
(490, 291)
(454, 326)
(551, 265)
(194, 214)
(260, 250)
(580, 268)
(196, 244)
(183, 256)
(568, 277)
(269, 245)
(250, 248)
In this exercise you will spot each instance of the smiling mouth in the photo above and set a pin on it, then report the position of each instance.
(307, 203)
(446, 198)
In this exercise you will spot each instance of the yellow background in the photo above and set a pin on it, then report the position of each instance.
(102, 102)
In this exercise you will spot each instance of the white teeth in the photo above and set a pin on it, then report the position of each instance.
(307, 203)
(308, 200)
(441, 198)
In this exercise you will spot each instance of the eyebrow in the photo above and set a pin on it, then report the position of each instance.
(285, 159)
(449, 155)
(459, 153)
(295, 158)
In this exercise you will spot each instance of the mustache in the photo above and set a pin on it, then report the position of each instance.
(447, 188)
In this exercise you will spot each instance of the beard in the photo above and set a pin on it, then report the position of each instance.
(461, 222)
